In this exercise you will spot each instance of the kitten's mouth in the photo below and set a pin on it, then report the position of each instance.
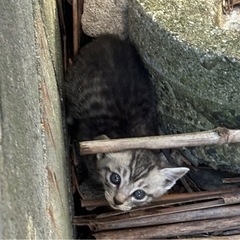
(120, 207)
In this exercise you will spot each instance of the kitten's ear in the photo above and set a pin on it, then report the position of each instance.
(172, 175)
(100, 156)
(102, 137)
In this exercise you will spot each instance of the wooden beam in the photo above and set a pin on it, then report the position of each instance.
(217, 136)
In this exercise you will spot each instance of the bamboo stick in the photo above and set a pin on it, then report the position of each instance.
(169, 198)
(231, 232)
(160, 215)
(172, 230)
(225, 198)
(236, 237)
(217, 136)
(80, 12)
(144, 213)
(75, 27)
(157, 219)
(231, 180)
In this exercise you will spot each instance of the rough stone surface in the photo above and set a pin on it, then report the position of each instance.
(195, 65)
(34, 191)
(105, 16)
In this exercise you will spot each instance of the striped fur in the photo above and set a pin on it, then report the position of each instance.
(138, 169)
(109, 92)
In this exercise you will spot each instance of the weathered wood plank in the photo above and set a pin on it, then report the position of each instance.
(216, 136)
(171, 230)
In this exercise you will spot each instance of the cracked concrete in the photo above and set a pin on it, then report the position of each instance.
(34, 185)
(195, 65)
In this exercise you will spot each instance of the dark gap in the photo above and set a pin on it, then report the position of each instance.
(66, 26)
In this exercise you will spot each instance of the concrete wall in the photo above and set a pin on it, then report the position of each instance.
(104, 17)
(34, 187)
(195, 64)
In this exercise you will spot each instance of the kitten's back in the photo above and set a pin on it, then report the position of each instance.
(109, 91)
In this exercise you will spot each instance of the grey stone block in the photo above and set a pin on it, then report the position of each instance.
(195, 65)
(105, 17)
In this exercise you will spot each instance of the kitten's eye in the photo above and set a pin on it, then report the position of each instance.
(115, 179)
(139, 194)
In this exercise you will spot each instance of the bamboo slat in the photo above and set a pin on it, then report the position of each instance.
(172, 230)
(217, 136)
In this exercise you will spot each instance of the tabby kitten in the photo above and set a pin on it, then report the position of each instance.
(109, 92)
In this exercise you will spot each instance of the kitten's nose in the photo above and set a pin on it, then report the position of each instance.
(117, 202)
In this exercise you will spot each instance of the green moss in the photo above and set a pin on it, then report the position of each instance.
(196, 23)
(195, 67)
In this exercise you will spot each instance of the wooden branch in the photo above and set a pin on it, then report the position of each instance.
(176, 215)
(236, 237)
(116, 219)
(169, 198)
(80, 12)
(172, 230)
(213, 206)
(231, 180)
(97, 225)
(217, 136)
(226, 235)
(75, 27)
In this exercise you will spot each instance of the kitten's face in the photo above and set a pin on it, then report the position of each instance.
(133, 178)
